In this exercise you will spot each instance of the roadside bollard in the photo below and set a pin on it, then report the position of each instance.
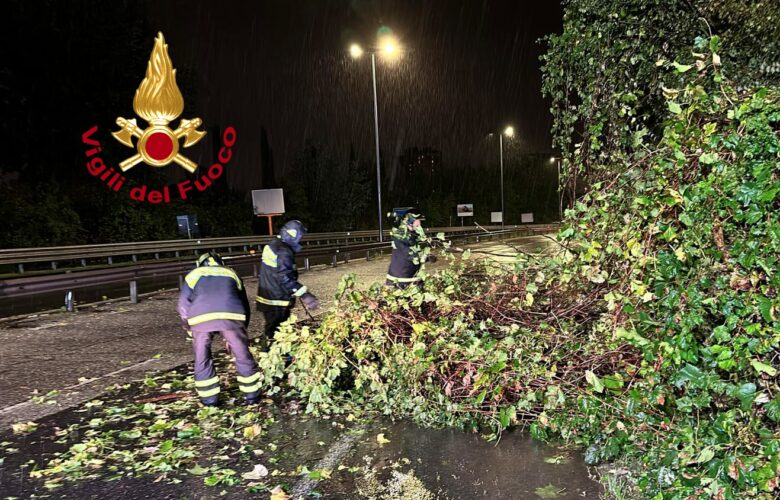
(133, 292)
(306, 263)
(69, 301)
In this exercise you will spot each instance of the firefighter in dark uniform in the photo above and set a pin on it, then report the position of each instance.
(408, 255)
(213, 300)
(277, 285)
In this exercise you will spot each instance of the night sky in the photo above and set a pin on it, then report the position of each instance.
(469, 68)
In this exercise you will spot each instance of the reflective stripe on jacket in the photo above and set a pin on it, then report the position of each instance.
(277, 283)
(213, 298)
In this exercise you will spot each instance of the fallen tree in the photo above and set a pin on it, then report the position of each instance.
(651, 335)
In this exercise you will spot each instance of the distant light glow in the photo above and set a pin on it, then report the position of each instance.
(552, 159)
(389, 47)
(509, 132)
(355, 50)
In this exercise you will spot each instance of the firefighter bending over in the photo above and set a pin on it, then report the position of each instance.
(408, 249)
(213, 300)
(277, 285)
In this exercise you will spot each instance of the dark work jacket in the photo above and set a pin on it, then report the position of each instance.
(277, 284)
(403, 270)
(213, 299)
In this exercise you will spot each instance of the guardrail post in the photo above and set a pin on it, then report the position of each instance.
(306, 264)
(368, 254)
(54, 264)
(83, 262)
(133, 292)
(254, 269)
(335, 259)
(181, 281)
(21, 268)
(177, 253)
(135, 259)
(69, 298)
(110, 260)
(157, 255)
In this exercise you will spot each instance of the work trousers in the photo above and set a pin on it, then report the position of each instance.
(274, 316)
(206, 379)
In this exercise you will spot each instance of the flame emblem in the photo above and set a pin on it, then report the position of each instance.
(158, 100)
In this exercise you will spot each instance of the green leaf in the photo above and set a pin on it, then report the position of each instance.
(674, 107)
(130, 434)
(706, 455)
(709, 158)
(773, 409)
(681, 68)
(549, 491)
(198, 470)
(763, 368)
(745, 393)
(594, 381)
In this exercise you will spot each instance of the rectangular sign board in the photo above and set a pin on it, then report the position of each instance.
(268, 201)
(465, 210)
(526, 218)
(496, 217)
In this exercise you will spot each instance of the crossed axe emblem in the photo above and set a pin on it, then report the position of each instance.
(158, 145)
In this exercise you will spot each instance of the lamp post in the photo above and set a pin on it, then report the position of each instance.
(554, 159)
(388, 46)
(509, 132)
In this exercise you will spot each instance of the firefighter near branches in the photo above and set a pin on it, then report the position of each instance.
(213, 301)
(410, 248)
(278, 286)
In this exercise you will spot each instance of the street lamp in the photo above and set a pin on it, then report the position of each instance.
(388, 46)
(554, 159)
(509, 132)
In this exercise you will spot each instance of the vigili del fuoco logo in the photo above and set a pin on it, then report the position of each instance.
(159, 102)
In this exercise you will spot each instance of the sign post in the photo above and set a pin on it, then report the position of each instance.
(268, 203)
(465, 210)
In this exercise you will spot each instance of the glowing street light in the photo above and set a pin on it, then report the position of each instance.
(509, 132)
(355, 51)
(389, 47)
(554, 159)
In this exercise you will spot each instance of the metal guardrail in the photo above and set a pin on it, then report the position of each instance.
(69, 281)
(83, 253)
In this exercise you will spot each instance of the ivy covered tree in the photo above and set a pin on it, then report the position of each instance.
(602, 75)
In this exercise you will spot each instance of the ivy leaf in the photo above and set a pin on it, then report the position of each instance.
(709, 158)
(198, 470)
(681, 68)
(773, 409)
(706, 455)
(594, 381)
(763, 368)
(745, 393)
(549, 491)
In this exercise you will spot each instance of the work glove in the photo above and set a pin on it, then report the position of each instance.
(432, 258)
(310, 301)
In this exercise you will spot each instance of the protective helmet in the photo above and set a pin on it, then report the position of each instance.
(407, 216)
(211, 258)
(292, 232)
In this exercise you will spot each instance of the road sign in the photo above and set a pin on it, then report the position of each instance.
(268, 201)
(496, 217)
(527, 218)
(465, 210)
